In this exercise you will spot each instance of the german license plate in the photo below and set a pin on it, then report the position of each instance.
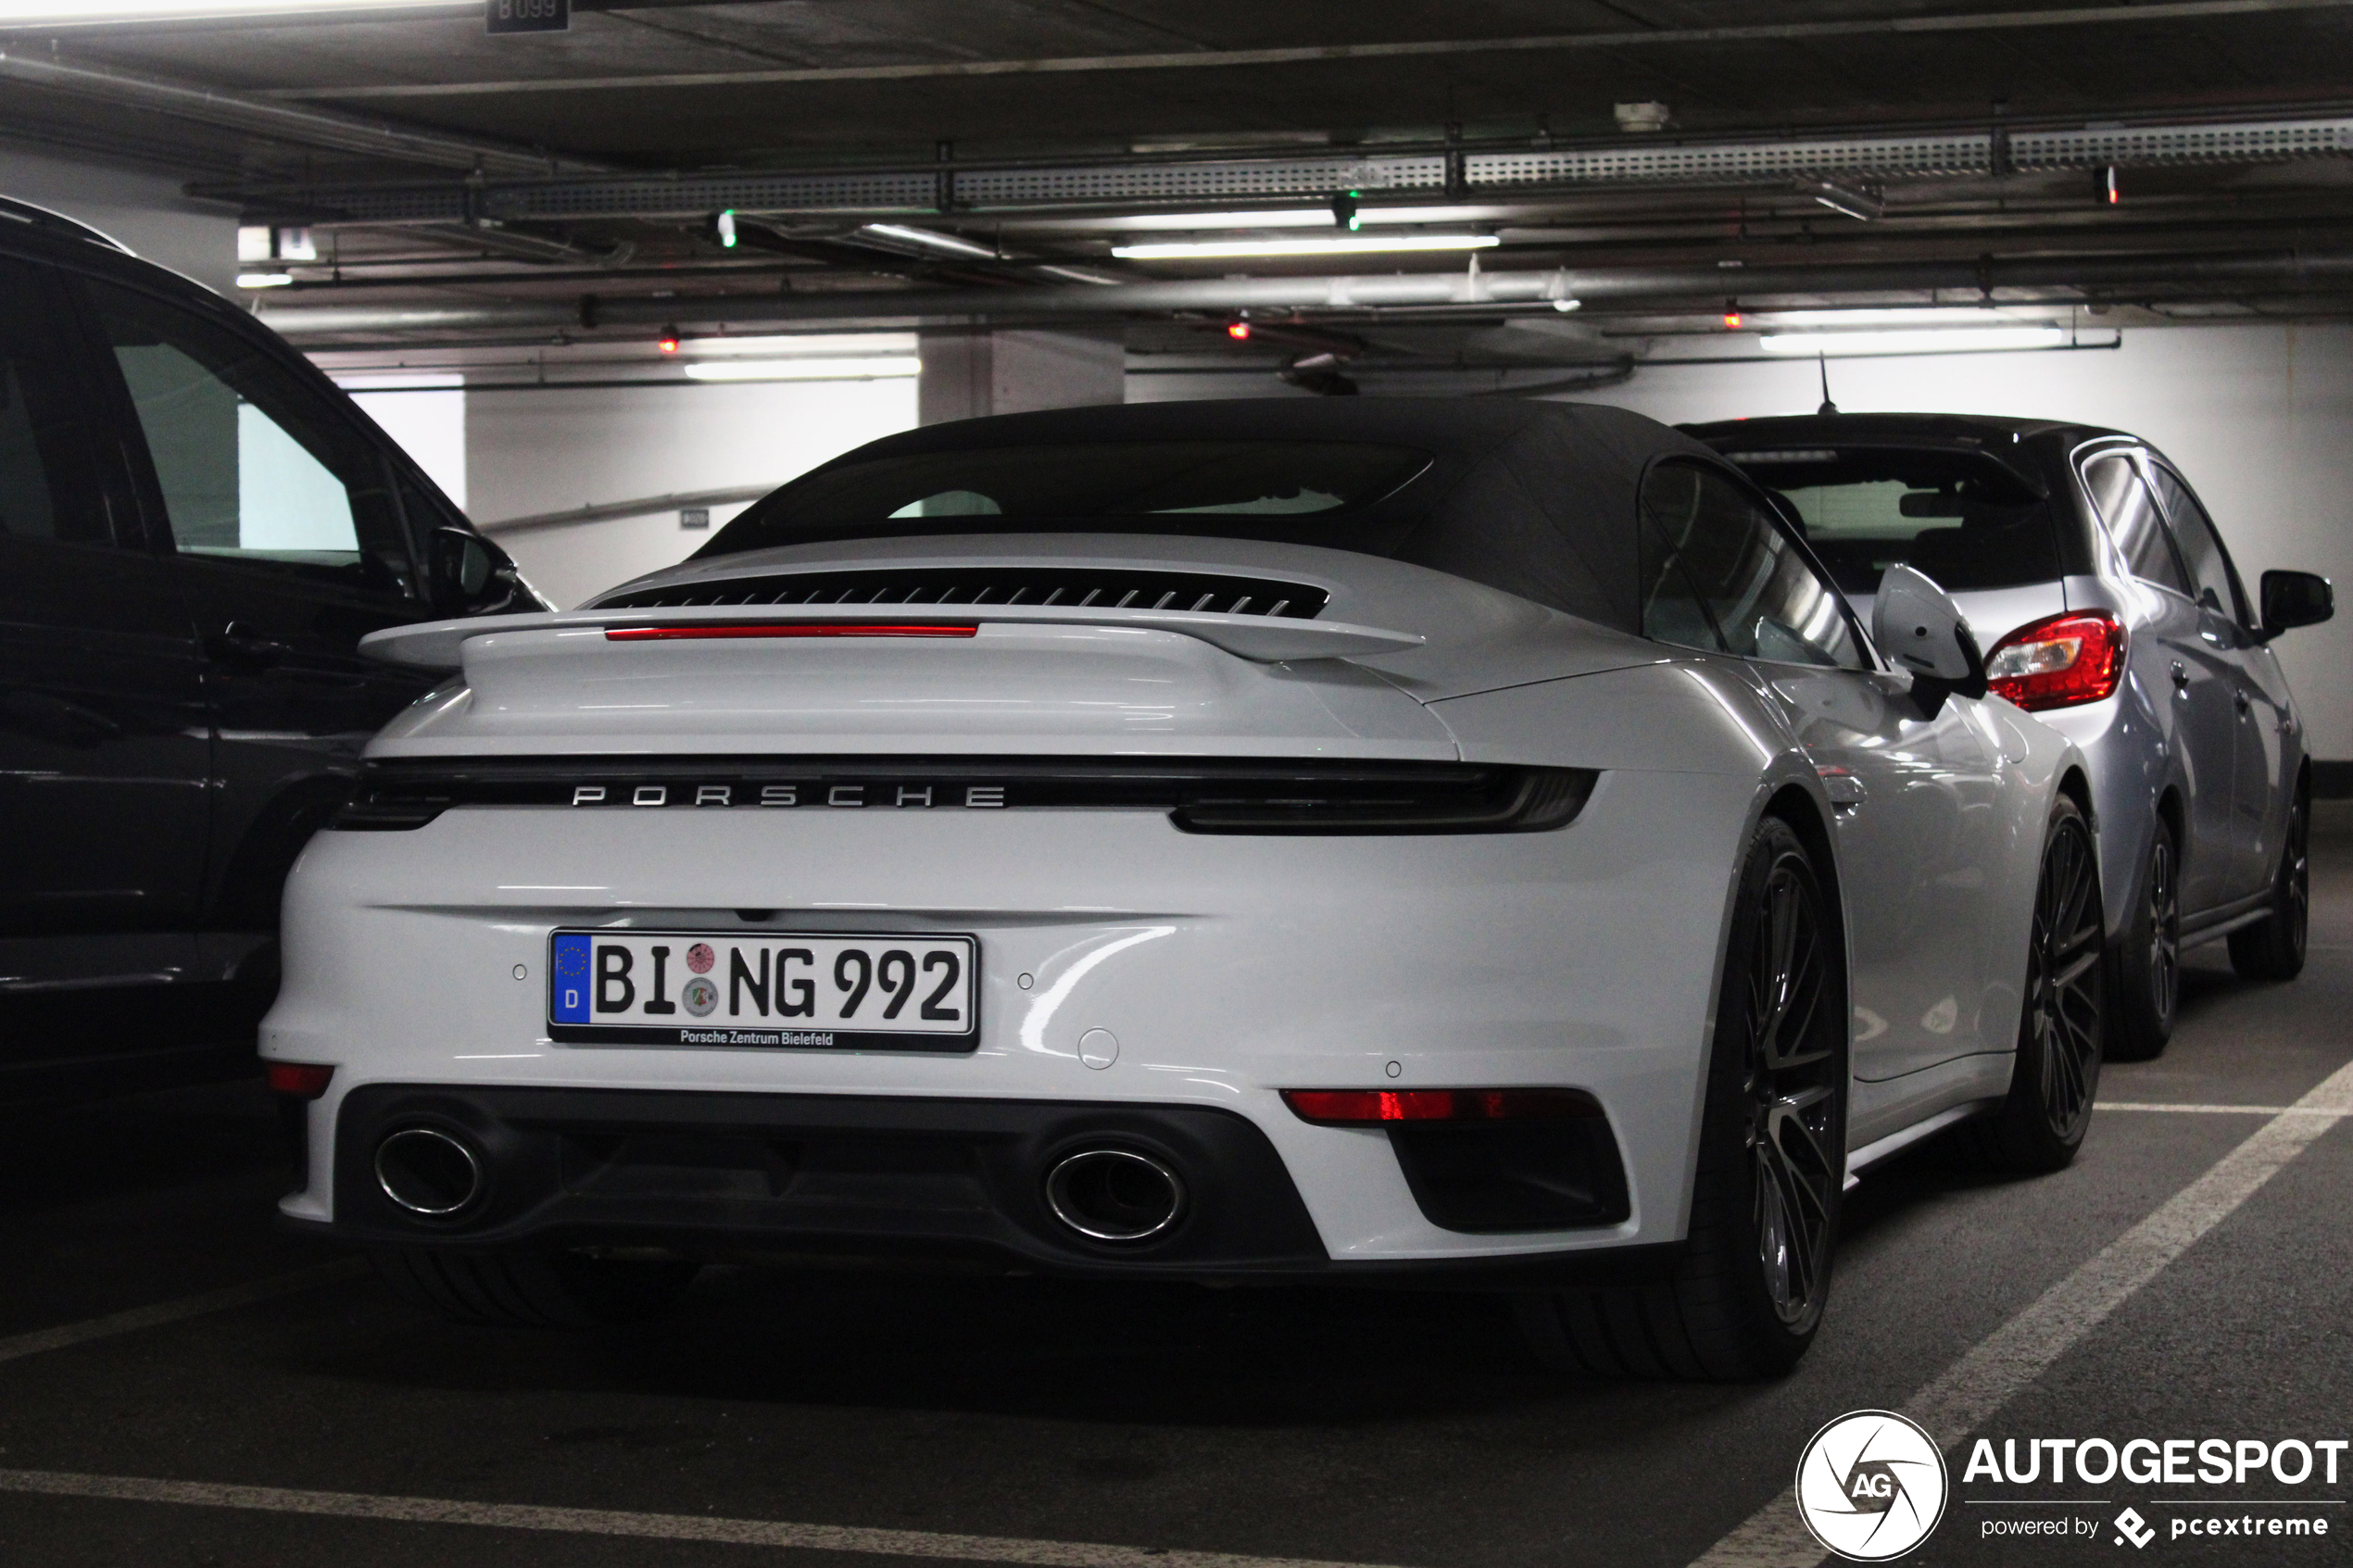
(789, 991)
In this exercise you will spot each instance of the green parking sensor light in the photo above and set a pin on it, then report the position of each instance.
(1344, 210)
(724, 226)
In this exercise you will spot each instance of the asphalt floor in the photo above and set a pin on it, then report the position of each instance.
(1337, 1425)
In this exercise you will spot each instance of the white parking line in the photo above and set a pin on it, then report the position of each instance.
(643, 1526)
(2215, 1110)
(1985, 1379)
(187, 1306)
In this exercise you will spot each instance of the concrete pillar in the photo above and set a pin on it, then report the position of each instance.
(970, 371)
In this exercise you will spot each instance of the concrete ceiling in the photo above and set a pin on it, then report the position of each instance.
(444, 168)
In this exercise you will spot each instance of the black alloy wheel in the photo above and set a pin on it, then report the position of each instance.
(2274, 949)
(1793, 1093)
(2146, 979)
(1747, 1292)
(2062, 1023)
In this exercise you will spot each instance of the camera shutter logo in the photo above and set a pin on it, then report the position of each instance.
(1872, 1485)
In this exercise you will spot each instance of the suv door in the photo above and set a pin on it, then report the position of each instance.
(2258, 691)
(1918, 821)
(2172, 651)
(287, 544)
(103, 745)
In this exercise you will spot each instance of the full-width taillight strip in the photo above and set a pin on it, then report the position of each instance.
(783, 629)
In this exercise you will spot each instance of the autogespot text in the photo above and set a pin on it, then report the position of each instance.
(2279, 1488)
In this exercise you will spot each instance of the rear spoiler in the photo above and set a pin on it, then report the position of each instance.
(440, 645)
(1756, 450)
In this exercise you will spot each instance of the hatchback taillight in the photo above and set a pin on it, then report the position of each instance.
(2059, 662)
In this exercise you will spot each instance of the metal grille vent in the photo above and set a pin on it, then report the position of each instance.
(2252, 141)
(905, 191)
(1633, 162)
(1165, 181)
(1073, 586)
(1731, 161)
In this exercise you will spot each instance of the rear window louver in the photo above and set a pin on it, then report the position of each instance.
(1072, 587)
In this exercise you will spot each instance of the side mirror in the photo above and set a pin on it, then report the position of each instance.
(2296, 598)
(1920, 628)
(471, 575)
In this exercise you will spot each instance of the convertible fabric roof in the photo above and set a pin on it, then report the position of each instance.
(1538, 500)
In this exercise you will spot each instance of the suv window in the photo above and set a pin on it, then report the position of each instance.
(1717, 572)
(251, 467)
(47, 493)
(2132, 521)
(2201, 547)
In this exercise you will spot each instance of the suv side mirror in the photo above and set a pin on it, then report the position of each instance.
(1920, 628)
(2295, 598)
(471, 575)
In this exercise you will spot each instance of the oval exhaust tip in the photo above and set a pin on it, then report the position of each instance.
(1115, 1195)
(428, 1172)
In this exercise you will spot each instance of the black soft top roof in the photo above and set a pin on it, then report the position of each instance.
(1538, 500)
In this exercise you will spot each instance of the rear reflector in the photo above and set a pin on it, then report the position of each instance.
(300, 1079)
(1365, 1108)
(2060, 661)
(787, 629)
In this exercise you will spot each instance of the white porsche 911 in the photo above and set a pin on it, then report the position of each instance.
(1454, 844)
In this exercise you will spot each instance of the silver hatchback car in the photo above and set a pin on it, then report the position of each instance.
(2107, 606)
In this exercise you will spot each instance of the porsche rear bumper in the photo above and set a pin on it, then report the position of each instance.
(1227, 970)
(721, 1177)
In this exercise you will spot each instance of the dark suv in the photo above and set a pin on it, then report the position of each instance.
(196, 528)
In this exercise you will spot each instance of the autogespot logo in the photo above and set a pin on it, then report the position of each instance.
(1872, 1485)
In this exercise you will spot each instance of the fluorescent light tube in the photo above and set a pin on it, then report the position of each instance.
(802, 345)
(924, 237)
(1281, 218)
(264, 280)
(870, 368)
(1353, 244)
(1928, 340)
(356, 381)
(1897, 316)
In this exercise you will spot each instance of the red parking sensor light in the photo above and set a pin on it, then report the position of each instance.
(1238, 331)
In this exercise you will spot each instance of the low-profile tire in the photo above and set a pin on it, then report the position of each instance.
(2144, 964)
(534, 1289)
(1745, 1294)
(2274, 949)
(2042, 1123)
